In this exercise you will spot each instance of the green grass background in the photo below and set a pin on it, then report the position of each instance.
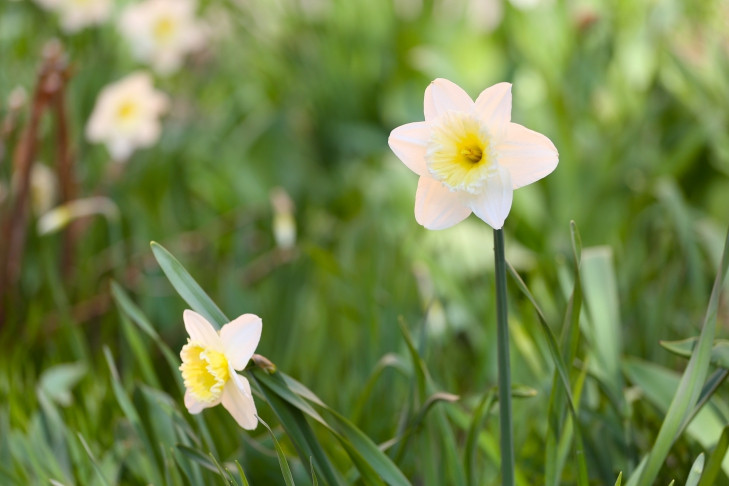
(635, 95)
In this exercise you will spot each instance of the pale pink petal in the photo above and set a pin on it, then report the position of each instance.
(494, 203)
(493, 106)
(240, 338)
(194, 406)
(410, 142)
(437, 207)
(528, 155)
(201, 331)
(442, 96)
(238, 400)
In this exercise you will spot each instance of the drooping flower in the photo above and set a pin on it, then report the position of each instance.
(162, 32)
(469, 155)
(210, 360)
(126, 115)
(78, 14)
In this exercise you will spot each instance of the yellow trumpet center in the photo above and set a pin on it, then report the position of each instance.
(164, 29)
(204, 372)
(459, 152)
(127, 110)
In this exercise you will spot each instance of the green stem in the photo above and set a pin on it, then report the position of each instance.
(502, 343)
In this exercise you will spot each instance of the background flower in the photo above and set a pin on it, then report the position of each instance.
(469, 156)
(162, 32)
(126, 115)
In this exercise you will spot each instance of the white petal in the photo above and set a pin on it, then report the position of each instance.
(240, 338)
(410, 142)
(437, 207)
(194, 407)
(494, 203)
(442, 96)
(493, 106)
(528, 155)
(201, 331)
(120, 149)
(238, 400)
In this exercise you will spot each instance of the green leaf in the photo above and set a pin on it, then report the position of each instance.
(58, 381)
(187, 287)
(480, 413)
(619, 481)
(696, 469)
(242, 474)
(198, 457)
(713, 465)
(689, 389)
(299, 431)
(684, 347)
(97, 467)
(283, 464)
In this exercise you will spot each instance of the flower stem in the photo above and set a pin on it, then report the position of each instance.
(502, 343)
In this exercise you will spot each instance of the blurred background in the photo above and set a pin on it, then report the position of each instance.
(273, 184)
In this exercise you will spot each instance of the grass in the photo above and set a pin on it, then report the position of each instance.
(383, 333)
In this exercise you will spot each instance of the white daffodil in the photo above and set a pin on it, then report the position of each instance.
(210, 360)
(162, 32)
(469, 156)
(126, 115)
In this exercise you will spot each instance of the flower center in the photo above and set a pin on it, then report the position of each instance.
(164, 29)
(127, 110)
(204, 371)
(459, 152)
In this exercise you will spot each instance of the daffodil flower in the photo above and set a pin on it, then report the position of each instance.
(126, 115)
(210, 360)
(469, 155)
(162, 32)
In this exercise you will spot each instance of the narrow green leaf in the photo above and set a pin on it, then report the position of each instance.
(684, 347)
(691, 383)
(619, 481)
(95, 463)
(713, 465)
(130, 309)
(222, 472)
(133, 416)
(480, 413)
(242, 474)
(314, 480)
(696, 469)
(562, 372)
(283, 464)
(187, 287)
(293, 421)
(198, 457)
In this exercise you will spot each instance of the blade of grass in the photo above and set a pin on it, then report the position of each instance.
(283, 464)
(691, 384)
(187, 287)
(696, 470)
(713, 466)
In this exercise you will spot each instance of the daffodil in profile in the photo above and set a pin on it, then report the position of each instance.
(469, 155)
(210, 360)
(126, 115)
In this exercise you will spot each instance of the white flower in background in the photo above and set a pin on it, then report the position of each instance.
(162, 32)
(126, 115)
(469, 156)
(284, 224)
(77, 14)
(43, 188)
(210, 361)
